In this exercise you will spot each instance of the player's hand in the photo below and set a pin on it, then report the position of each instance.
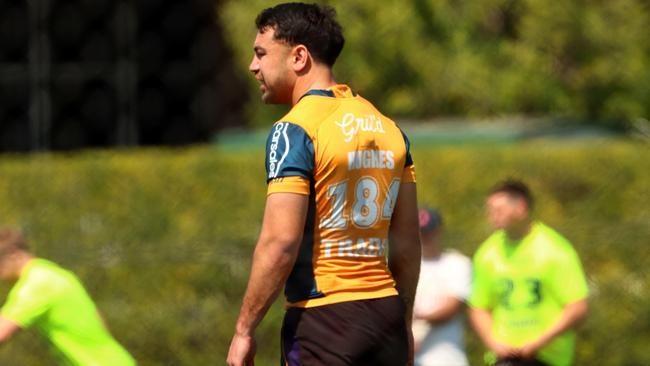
(529, 350)
(242, 351)
(504, 350)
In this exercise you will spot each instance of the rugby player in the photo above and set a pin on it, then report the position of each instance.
(340, 226)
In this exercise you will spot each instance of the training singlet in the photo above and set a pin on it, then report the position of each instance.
(53, 300)
(338, 149)
(526, 284)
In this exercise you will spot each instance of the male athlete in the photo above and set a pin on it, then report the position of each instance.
(54, 301)
(340, 226)
(529, 289)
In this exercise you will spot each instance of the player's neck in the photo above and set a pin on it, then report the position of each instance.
(519, 230)
(318, 77)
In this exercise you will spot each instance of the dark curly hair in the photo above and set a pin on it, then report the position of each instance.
(311, 25)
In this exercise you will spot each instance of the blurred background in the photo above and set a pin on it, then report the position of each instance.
(132, 141)
(102, 73)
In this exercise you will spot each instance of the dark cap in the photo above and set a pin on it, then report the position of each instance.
(430, 219)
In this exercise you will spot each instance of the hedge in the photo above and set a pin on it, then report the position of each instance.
(162, 238)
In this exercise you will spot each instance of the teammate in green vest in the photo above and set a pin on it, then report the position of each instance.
(54, 301)
(529, 289)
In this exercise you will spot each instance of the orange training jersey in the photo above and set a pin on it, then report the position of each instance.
(338, 149)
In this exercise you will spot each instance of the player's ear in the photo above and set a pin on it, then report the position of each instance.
(299, 58)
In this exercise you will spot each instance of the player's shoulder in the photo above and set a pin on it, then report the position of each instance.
(385, 120)
(490, 247)
(40, 268)
(50, 274)
(551, 238)
(310, 112)
(320, 106)
(41, 278)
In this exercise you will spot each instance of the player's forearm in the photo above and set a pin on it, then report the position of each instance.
(404, 263)
(406, 284)
(481, 320)
(272, 263)
(570, 317)
(449, 307)
(405, 248)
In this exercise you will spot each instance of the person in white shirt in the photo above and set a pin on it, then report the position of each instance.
(443, 288)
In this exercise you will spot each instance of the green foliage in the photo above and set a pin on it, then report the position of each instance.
(163, 238)
(427, 58)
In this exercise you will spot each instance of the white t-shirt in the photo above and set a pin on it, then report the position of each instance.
(448, 275)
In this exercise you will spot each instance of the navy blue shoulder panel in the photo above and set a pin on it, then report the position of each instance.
(409, 159)
(289, 152)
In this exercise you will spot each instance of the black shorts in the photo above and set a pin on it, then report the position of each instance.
(363, 332)
(515, 361)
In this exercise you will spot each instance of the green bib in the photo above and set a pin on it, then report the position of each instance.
(525, 285)
(53, 300)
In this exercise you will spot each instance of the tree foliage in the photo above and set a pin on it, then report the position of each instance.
(587, 60)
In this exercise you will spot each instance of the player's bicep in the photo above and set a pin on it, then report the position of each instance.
(284, 218)
(404, 219)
